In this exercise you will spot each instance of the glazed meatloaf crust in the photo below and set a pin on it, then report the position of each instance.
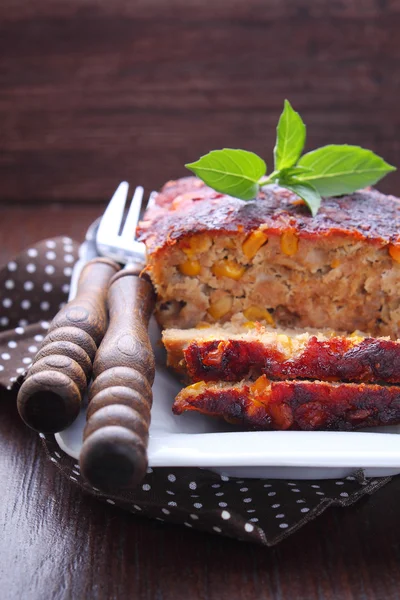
(211, 256)
(306, 405)
(233, 352)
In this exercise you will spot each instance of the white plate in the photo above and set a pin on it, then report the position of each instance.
(194, 440)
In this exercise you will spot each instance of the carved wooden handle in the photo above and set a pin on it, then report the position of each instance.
(114, 451)
(50, 398)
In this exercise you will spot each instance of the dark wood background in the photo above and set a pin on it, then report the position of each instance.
(95, 91)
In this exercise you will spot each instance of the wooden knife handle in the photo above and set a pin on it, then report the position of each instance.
(88, 310)
(114, 451)
(46, 401)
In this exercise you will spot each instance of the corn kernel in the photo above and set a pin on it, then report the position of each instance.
(281, 415)
(253, 243)
(289, 243)
(356, 338)
(357, 333)
(220, 307)
(260, 385)
(213, 358)
(298, 202)
(335, 263)
(190, 268)
(330, 333)
(229, 244)
(394, 251)
(285, 341)
(249, 324)
(228, 268)
(256, 313)
(197, 245)
(202, 325)
(197, 386)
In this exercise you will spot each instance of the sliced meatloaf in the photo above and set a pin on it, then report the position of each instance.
(212, 256)
(233, 352)
(308, 405)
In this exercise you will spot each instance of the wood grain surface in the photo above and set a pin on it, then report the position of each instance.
(57, 543)
(116, 434)
(93, 91)
(50, 398)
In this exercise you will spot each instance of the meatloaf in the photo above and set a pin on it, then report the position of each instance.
(233, 352)
(307, 405)
(212, 256)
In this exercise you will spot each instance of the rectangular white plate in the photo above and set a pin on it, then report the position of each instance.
(194, 440)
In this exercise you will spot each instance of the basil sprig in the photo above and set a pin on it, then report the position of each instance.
(328, 171)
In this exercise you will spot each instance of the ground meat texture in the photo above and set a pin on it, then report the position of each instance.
(211, 256)
(218, 353)
(294, 405)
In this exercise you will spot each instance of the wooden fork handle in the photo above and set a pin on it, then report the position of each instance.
(114, 451)
(49, 402)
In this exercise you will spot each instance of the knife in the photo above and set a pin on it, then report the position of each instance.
(50, 398)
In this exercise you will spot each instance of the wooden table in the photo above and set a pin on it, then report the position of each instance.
(57, 543)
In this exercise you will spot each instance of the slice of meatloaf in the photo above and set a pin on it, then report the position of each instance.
(308, 405)
(233, 352)
(211, 256)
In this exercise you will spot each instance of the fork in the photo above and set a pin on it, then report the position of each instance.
(114, 450)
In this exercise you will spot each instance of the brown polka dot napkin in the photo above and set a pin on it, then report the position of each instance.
(33, 287)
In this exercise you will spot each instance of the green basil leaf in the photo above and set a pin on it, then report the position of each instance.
(230, 171)
(306, 191)
(290, 138)
(290, 172)
(342, 169)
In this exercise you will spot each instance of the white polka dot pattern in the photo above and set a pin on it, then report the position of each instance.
(266, 525)
(29, 298)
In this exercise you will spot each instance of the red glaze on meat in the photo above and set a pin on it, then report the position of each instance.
(365, 215)
(295, 405)
(337, 359)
